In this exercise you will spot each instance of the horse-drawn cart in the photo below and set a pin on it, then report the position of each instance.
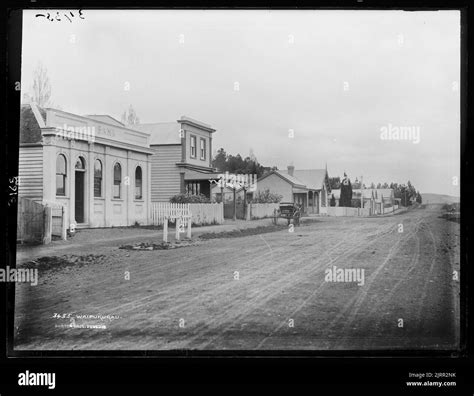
(289, 211)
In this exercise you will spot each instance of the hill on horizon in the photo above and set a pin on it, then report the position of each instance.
(439, 198)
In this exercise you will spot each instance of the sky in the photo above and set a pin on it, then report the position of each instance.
(308, 88)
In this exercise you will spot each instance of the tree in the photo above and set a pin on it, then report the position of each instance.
(345, 198)
(41, 86)
(357, 184)
(236, 164)
(189, 198)
(411, 191)
(335, 183)
(266, 197)
(219, 160)
(418, 198)
(130, 117)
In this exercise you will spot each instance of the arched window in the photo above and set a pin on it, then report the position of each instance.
(117, 180)
(61, 173)
(97, 178)
(138, 183)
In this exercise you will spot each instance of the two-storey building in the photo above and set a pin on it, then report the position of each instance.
(182, 158)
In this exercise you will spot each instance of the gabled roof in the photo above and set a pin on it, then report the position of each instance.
(311, 178)
(32, 118)
(290, 179)
(168, 132)
(161, 132)
(105, 118)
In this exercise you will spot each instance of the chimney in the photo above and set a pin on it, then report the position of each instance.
(291, 170)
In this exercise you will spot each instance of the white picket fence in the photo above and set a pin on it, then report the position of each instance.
(207, 213)
(200, 214)
(345, 211)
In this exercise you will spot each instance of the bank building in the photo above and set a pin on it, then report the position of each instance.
(94, 166)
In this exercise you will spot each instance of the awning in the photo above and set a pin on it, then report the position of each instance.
(195, 175)
(299, 190)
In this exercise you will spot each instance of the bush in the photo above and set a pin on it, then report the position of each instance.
(355, 203)
(332, 202)
(266, 197)
(189, 198)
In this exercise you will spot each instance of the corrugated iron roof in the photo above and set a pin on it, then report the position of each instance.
(311, 178)
(161, 132)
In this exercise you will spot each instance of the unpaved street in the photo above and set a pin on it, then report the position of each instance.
(260, 292)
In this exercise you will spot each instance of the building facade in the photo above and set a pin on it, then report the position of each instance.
(94, 166)
(182, 158)
(308, 187)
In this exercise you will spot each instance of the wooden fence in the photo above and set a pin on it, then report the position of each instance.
(262, 210)
(229, 211)
(58, 220)
(30, 223)
(162, 210)
(346, 211)
(38, 222)
(207, 213)
(200, 214)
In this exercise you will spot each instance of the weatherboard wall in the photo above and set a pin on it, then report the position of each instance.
(30, 170)
(165, 174)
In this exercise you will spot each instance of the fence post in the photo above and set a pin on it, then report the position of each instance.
(47, 224)
(189, 227)
(234, 217)
(177, 223)
(165, 230)
(63, 224)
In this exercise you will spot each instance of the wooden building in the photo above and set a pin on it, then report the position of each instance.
(182, 158)
(308, 187)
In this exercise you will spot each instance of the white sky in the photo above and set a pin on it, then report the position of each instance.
(400, 68)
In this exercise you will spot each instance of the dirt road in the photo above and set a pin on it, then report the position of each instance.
(261, 292)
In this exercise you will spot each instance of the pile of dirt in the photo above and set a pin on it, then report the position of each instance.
(451, 216)
(58, 262)
(157, 246)
(243, 232)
